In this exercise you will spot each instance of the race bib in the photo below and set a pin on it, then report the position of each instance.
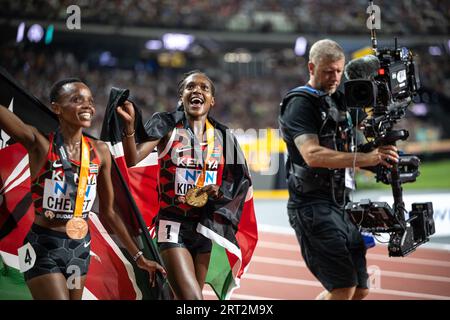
(27, 257)
(186, 179)
(168, 231)
(57, 197)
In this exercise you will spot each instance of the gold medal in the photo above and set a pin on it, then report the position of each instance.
(77, 228)
(194, 199)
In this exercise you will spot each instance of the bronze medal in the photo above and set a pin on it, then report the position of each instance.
(77, 228)
(195, 200)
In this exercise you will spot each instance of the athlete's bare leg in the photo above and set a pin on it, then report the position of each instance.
(51, 286)
(201, 262)
(181, 273)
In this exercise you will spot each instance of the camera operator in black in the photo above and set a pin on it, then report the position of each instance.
(317, 129)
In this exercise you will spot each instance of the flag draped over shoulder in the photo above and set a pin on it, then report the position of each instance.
(112, 273)
(230, 222)
(142, 179)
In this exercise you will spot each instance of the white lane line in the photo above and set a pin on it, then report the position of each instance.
(238, 296)
(374, 256)
(393, 274)
(260, 277)
(301, 282)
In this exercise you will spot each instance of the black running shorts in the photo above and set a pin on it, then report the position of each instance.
(181, 233)
(55, 252)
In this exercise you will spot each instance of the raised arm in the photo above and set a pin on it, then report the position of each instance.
(28, 136)
(24, 134)
(317, 156)
(134, 153)
(106, 209)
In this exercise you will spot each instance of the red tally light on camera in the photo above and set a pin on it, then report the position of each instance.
(381, 72)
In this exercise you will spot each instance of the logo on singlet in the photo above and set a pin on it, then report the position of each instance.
(182, 149)
(56, 165)
(186, 179)
(49, 214)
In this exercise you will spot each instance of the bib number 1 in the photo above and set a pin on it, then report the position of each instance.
(168, 231)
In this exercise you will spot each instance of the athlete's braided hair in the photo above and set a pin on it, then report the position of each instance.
(181, 83)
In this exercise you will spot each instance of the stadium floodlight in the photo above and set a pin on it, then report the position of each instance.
(300, 46)
(20, 32)
(35, 33)
(153, 45)
(435, 51)
(177, 41)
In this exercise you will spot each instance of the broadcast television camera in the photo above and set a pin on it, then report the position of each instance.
(386, 82)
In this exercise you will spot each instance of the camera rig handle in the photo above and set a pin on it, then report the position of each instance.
(397, 193)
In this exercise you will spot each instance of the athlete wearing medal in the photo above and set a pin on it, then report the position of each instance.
(65, 169)
(190, 157)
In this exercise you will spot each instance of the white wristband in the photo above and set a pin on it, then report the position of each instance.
(137, 255)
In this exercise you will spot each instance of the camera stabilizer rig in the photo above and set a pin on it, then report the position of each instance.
(388, 88)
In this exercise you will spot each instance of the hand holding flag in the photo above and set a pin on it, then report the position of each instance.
(151, 267)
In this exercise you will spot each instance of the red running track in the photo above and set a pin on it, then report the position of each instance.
(277, 271)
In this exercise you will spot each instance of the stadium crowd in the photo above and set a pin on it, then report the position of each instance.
(403, 17)
(242, 101)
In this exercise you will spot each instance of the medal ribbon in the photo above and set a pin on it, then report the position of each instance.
(83, 178)
(77, 194)
(210, 147)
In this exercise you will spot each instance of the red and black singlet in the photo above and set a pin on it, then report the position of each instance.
(180, 169)
(50, 192)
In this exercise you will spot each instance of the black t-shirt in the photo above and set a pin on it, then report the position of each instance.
(302, 116)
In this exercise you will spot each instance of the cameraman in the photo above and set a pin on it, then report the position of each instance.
(318, 132)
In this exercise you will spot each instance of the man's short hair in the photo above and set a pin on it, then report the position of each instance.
(325, 49)
(56, 88)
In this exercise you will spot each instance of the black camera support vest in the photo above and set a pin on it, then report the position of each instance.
(335, 122)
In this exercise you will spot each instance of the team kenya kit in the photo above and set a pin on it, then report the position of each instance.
(56, 201)
(187, 170)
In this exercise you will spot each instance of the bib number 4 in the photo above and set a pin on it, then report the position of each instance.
(27, 257)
